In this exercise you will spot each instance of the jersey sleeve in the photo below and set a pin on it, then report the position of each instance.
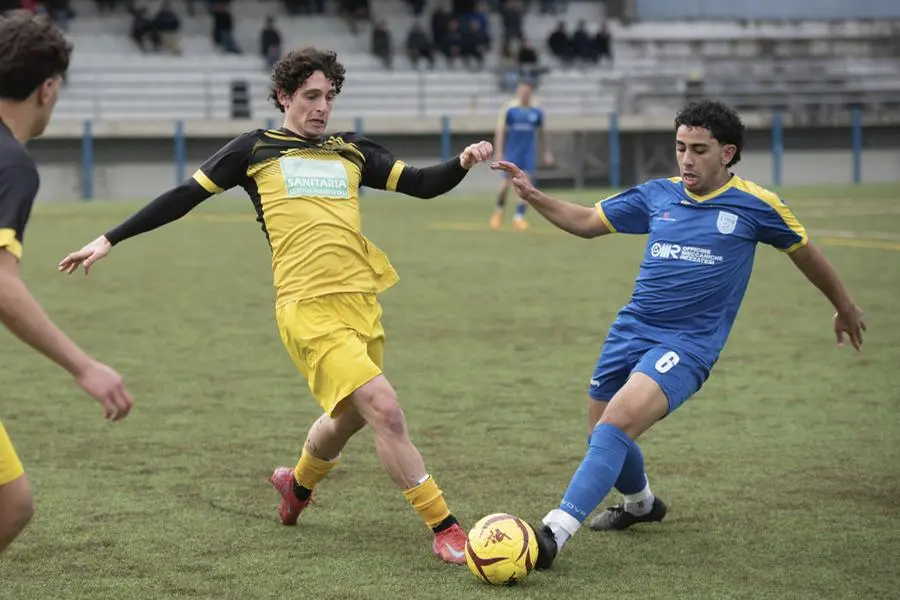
(626, 212)
(227, 167)
(19, 184)
(381, 171)
(778, 227)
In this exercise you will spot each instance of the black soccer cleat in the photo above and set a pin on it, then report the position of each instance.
(546, 542)
(616, 518)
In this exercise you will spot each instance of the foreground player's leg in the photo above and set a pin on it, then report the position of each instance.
(377, 402)
(497, 216)
(16, 509)
(639, 503)
(321, 453)
(639, 404)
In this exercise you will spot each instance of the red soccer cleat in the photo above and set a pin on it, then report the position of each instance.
(450, 545)
(291, 507)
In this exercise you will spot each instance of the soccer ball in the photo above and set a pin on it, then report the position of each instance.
(501, 549)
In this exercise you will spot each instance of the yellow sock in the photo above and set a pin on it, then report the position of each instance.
(428, 500)
(310, 470)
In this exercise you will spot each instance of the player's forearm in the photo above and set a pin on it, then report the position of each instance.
(572, 218)
(431, 181)
(22, 315)
(499, 139)
(822, 274)
(168, 207)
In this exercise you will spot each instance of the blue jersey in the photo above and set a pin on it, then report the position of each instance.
(698, 258)
(521, 123)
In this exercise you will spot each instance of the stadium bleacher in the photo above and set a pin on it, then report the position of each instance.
(804, 66)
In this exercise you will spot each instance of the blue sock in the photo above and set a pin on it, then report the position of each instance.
(520, 209)
(597, 473)
(632, 478)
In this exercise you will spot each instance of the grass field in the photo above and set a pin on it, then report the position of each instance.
(782, 475)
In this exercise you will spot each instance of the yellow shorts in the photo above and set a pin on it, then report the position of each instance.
(10, 465)
(336, 341)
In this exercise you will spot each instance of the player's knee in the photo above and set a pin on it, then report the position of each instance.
(383, 413)
(17, 512)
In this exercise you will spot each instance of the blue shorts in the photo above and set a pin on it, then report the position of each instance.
(679, 374)
(523, 161)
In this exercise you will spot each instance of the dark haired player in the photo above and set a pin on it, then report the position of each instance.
(34, 55)
(305, 189)
(703, 231)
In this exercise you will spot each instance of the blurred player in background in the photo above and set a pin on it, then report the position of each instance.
(34, 55)
(704, 228)
(304, 186)
(515, 140)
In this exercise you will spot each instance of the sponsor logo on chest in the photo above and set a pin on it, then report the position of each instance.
(314, 177)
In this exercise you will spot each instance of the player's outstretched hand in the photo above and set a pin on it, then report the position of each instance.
(476, 153)
(519, 178)
(106, 387)
(87, 256)
(849, 321)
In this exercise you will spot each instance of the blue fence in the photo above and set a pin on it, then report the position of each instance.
(445, 146)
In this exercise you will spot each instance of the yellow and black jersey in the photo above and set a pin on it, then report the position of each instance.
(19, 184)
(306, 196)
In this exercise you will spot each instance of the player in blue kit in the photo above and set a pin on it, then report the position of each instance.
(703, 231)
(515, 140)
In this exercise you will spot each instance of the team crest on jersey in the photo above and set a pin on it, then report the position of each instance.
(726, 222)
(314, 177)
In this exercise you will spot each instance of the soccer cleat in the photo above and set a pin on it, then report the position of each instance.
(616, 518)
(497, 219)
(450, 545)
(546, 547)
(520, 224)
(291, 506)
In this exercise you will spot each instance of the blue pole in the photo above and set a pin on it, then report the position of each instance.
(615, 152)
(270, 123)
(777, 146)
(179, 152)
(87, 161)
(857, 135)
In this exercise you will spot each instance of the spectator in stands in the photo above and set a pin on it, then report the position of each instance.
(418, 46)
(473, 45)
(270, 42)
(440, 23)
(105, 6)
(60, 12)
(166, 24)
(549, 7)
(381, 43)
(307, 7)
(512, 13)
(559, 43)
(602, 45)
(142, 32)
(481, 15)
(452, 47)
(353, 12)
(223, 28)
(582, 44)
(417, 6)
(528, 58)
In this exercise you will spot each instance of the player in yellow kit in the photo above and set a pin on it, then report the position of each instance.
(305, 188)
(34, 55)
